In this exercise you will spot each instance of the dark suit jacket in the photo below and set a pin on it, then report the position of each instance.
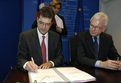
(85, 48)
(29, 46)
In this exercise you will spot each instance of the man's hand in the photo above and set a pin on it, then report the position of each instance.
(46, 65)
(30, 66)
(109, 64)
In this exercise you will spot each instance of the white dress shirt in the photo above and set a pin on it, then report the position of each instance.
(46, 43)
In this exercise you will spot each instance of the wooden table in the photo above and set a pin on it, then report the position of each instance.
(17, 76)
(102, 75)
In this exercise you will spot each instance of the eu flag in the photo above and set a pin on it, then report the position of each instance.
(79, 24)
(40, 4)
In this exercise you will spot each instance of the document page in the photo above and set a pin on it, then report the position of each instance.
(44, 75)
(60, 75)
(59, 21)
(75, 75)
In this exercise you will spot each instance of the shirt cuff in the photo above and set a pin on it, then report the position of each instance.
(25, 65)
(97, 64)
(52, 63)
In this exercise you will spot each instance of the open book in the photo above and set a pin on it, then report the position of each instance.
(60, 75)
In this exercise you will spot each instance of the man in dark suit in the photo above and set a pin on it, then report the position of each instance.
(30, 44)
(101, 54)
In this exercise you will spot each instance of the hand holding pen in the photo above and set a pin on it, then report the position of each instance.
(31, 66)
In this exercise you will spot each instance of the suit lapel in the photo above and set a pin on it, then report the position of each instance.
(90, 43)
(101, 44)
(49, 44)
(36, 43)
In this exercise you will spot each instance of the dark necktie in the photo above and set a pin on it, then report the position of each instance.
(96, 48)
(43, 49)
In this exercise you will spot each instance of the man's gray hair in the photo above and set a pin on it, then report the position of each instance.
(101, 15)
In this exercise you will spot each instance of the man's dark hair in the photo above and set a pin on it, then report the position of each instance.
(46, 12)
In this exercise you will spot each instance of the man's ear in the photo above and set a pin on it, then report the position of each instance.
(104, 28)
(52, 22)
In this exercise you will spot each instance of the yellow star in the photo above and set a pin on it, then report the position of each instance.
(79, 9)
(75, 33)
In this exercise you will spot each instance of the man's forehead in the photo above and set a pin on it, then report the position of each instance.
(97, 21)
(44, 20)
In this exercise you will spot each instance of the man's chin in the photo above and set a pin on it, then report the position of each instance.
(93, 34)
(43, 33)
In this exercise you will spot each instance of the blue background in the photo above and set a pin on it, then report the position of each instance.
(18, 15)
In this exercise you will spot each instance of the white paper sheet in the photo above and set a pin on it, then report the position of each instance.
(60, 75)
(59, 21)
(46, 75)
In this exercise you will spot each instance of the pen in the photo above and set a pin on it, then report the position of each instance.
(33, 61)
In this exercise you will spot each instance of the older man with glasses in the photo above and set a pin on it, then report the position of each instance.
(95, 48)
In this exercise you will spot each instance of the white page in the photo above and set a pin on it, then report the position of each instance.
(75, 75)
(49, 75)
(59, 21)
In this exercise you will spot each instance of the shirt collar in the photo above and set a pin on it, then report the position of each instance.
(96, 36)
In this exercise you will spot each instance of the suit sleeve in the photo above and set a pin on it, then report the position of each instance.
(22, 55)
(113, 54)
(55, 50)
(59, 56)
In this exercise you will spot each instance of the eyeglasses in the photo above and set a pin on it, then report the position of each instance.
(96, 27)
(46, 24)
(57, 8)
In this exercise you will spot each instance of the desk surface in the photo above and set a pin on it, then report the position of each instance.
(102, 75)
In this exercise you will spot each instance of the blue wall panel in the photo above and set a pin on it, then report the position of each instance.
(10, 23)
